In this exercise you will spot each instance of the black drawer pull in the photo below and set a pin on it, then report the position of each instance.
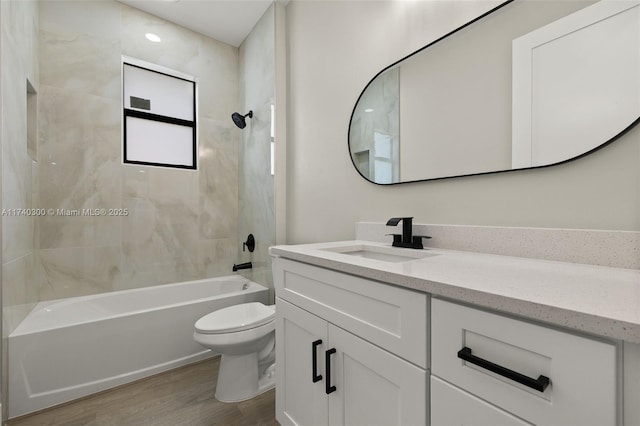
(327, 383)
(314, 360)
(539, 384)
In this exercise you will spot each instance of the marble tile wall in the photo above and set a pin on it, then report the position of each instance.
(256, 197)
(181, 224)
(18, 63)
(19, 50)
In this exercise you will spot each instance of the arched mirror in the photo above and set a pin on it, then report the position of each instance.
(531, 83)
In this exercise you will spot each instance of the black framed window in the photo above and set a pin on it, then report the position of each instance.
(159, 116)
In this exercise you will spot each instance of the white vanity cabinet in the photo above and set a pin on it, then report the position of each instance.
(345, 349)
(489, 366)
(456, 338)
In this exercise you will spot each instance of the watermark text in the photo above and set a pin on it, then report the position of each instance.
(65, 212)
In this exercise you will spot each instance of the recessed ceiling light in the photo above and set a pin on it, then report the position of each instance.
(152, 37)
(368, 110)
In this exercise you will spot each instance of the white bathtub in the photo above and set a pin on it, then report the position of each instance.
(69, 348)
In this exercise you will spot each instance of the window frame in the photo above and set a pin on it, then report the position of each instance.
(137, 113)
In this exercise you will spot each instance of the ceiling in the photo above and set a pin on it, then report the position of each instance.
(229, 21)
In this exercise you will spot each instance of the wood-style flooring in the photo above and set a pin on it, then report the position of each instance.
(180, 397)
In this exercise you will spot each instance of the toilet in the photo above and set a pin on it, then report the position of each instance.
(245, 336)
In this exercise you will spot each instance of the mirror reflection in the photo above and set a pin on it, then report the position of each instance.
(532, 83)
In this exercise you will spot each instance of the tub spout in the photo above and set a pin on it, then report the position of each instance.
(246, 265)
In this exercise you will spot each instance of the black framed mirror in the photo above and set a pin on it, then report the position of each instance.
(528, 84)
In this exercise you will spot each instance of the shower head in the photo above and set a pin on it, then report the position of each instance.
(239, 120)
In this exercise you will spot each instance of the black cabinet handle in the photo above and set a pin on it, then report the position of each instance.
(327, 359)
(314, 360)
(539, 384)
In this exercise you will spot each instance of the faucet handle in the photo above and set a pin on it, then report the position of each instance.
(396, 237)
(417, 240)
(249, 244)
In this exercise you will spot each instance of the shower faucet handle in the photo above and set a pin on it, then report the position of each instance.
(249, 244)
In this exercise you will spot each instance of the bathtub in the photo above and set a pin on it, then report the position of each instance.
(69, 348)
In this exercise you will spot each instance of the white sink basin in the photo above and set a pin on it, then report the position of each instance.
(386, 254)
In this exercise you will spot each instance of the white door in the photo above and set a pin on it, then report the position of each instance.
(372, 386)
(575, 83)
(452, 406)
(300, 400)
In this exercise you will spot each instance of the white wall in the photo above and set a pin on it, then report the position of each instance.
(335, 48)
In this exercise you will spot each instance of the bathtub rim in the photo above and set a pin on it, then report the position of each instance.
(18, 331)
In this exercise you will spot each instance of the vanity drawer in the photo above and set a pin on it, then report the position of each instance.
(581, 371)
(453, 406)
(391, 317)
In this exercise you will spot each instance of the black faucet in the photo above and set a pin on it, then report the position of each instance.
(246, 265)
(406, 239)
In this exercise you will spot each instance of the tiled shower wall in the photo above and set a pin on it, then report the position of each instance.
(19, 62)
(256, 202)
(19, 49)
(181, 224)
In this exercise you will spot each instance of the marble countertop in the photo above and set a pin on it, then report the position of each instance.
(594, 299)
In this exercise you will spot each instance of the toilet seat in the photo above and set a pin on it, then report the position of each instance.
(236, 318)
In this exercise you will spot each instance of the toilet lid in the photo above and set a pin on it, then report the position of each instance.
(236, 318)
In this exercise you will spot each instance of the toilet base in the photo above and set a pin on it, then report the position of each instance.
(268, 379)
(238, 378)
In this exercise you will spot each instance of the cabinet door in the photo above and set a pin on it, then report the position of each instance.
(299, 401)
(453, 406)
(373, 387)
